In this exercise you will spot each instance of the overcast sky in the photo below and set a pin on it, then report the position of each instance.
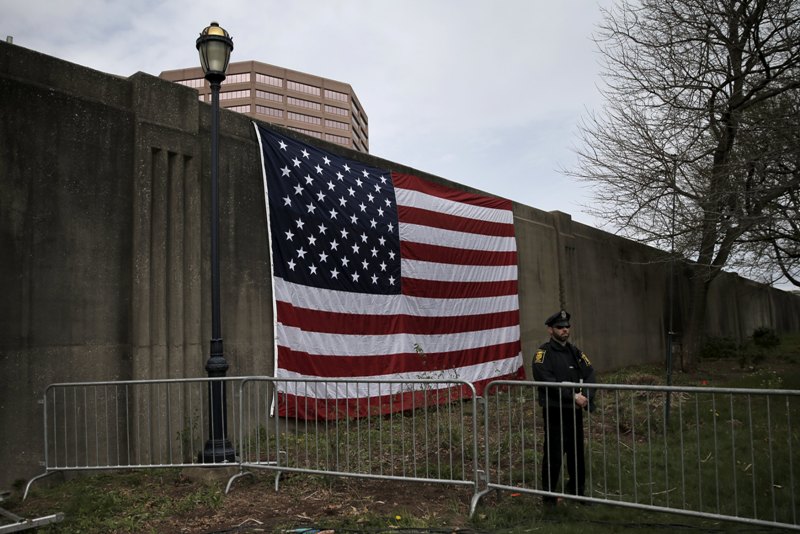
(487, 93)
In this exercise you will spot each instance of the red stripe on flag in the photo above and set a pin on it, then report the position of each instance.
(290, 405)
(415, 183)
(409, 214)
(370, 325)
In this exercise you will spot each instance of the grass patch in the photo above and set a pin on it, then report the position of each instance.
(131, 501)
(522, 513)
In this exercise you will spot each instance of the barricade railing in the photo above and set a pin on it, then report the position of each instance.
(729, 454)
(716, 453)
(131, 424)
(414, 430)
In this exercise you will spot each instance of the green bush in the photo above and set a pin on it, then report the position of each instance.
(715, 348)
(766, 337)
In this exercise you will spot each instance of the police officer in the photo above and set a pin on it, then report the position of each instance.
(558, 360)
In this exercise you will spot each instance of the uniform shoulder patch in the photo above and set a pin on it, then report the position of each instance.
(539, 357)
(585, 358)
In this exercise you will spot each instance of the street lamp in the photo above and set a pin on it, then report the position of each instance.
(671, 331)
(214, 46)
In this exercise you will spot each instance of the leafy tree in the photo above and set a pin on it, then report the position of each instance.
(693, 89)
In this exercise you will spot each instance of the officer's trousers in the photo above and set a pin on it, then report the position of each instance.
(563, 435)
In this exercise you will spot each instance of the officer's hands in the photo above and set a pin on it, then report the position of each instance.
(581, 400)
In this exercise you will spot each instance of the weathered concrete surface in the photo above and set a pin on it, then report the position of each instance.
(104, 204)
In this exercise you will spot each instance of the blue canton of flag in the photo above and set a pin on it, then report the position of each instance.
(334, 220)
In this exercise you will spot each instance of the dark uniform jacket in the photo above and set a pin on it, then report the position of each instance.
(556, 363)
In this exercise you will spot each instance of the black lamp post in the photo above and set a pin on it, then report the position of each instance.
(671, 332)
(215, 45)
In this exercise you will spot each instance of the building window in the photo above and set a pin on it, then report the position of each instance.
(266, 79)
(266, 95)
(272, 112)
(337, 139)
(360, 123)
(299, 102)
(237, 78)
(302, 88)
(229, 95)
(312, 133)
(304, 118)
(335, 95)
(240, 109)
(196, 83)
(335, 110)
(336, 124)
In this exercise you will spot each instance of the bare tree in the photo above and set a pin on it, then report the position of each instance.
(770, 152)
(684, 79)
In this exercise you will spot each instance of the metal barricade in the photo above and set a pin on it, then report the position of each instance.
(714, 453)
(131, 424)
(729, 454)
(413, 430)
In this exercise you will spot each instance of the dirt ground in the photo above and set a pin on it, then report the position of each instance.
(253, 505)
(192, 501)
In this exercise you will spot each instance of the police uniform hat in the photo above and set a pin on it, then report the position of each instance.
(560, 318)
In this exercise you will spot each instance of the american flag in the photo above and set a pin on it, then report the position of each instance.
(383, 275)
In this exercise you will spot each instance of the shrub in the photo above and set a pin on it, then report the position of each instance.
(766, 337)
(715, 348)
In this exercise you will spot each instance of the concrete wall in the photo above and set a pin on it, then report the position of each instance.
(104, 204)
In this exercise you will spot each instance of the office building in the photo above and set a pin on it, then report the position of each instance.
(316, 106)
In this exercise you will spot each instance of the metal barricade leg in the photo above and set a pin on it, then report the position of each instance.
(31, 481)
(20, 523)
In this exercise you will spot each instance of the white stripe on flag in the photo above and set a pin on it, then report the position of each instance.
(416, 233)
(443, 272)
(364, 304)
